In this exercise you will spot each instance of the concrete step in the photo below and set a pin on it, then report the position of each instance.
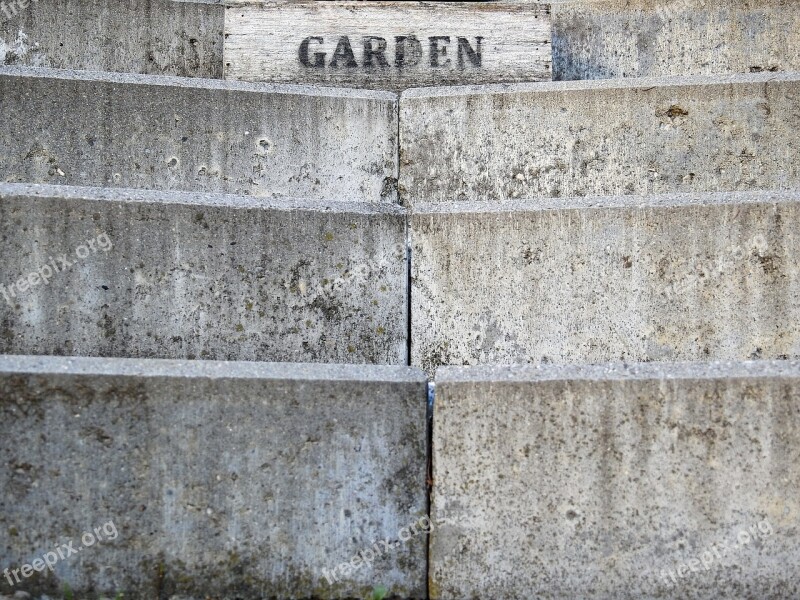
(387, 45)
(592, 138)
(158, 37)
(93, 272)
(205, 479)
(659, 481)
(591, 280)
(142, 131)
(599, 39)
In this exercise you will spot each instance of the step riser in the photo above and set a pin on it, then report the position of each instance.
(601, 138)
(614, 38)
(586, 485)
(157, 37)
(161, 133)
(222, 480)
(701, 281)
(168, 279)
(355, 44)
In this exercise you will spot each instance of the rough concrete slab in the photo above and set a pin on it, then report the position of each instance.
(659, 481)
(617, 38)
(157, 37)
(593, 138)
(140, 131)
(587, 280)
(387, 45)
(177, 275)
(222, 480)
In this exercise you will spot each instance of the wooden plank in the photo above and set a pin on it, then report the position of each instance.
(388, 45)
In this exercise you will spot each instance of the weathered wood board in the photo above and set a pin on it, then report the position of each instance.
(387, 45)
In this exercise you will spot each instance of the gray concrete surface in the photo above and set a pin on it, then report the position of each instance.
(142, 131)
(592, 280)
(158, 37)
(206, 277)
(591, 138)
(222, 480)
(660, 481)
(618, 38)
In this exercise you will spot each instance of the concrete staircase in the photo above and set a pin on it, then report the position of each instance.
(230, 289)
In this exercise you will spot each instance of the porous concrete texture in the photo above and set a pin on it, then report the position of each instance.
(152, 132)
(158, 37)
(659, 481)
(206, 277)
(592, 280)
(223, 480)
(643, 136)
(602, 39)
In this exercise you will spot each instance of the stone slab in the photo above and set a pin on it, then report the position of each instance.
(142, 131)
(591, 280)
(603, 39)
(157, 37)
(387, 45)
(659, 481)
(178, 275)
(221, 480)
(596, 138)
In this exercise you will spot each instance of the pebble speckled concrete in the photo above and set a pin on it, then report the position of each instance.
(602, 39)
(657, 278)
(590, 138)
(157, 37)
(153, 132)
(223, 480)
(201, 276)
(615, 483)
